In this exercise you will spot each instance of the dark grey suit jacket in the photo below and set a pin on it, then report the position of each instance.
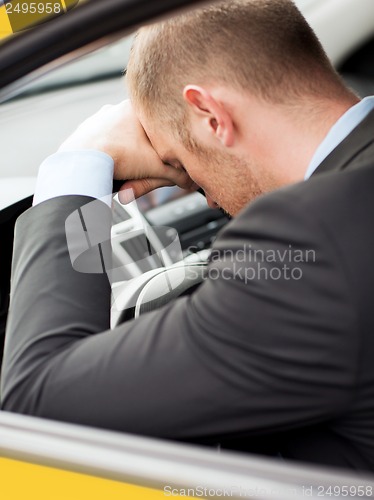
(255, 359)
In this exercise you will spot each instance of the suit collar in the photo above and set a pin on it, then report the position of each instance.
(359, 139)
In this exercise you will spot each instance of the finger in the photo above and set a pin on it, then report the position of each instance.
(178, 176)
(139, 188)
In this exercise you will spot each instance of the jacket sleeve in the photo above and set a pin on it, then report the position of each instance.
(266, 343)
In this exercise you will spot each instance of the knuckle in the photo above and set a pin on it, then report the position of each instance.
(186, 182)
(146, 184)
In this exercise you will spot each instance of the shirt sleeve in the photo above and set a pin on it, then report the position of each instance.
(85, 173)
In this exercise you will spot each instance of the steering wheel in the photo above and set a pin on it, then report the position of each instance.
(157, 288)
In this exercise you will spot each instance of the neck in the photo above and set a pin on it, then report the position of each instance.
(283, 140)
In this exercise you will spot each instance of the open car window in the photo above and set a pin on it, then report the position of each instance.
(36, 120)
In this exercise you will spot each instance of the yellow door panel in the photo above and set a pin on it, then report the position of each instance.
(24, 481)
(5, 28)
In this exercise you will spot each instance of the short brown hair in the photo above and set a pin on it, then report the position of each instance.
(265, 47)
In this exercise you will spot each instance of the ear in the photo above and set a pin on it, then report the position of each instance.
(215, 116)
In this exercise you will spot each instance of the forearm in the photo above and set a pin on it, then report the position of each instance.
(52, 305)
(62, 361)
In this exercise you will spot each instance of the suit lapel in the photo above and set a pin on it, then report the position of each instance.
(357, 141)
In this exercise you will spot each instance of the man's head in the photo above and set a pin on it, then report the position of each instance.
(215, 90)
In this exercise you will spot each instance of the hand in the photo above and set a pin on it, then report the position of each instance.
(116, 131)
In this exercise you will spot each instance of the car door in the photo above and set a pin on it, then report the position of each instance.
(44, 459)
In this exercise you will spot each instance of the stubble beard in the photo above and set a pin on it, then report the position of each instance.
(233, 184)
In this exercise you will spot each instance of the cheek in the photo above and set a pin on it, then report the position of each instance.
(201, 167)
(191, 163)
(196, 171)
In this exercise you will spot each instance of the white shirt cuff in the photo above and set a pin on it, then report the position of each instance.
(85, 173)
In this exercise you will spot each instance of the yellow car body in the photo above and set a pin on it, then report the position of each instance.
(22, 480)
(5, 27)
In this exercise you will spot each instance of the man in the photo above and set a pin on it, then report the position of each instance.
(274, 356)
